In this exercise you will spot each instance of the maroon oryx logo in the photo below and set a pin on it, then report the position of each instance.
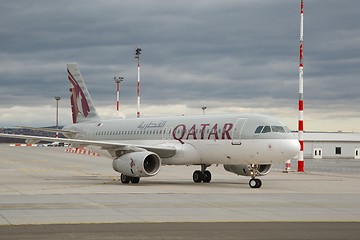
(132, 164)
(78, 100)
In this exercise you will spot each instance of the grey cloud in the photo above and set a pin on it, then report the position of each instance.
(243, 51)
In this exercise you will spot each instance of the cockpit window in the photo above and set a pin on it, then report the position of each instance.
(286, 129)
(279, 129)
(266, 129)
(258, 129)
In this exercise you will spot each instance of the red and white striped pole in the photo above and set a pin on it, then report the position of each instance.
(117, 96)
(57, 98)
(137, 55)
(118, 80)
(301, 92)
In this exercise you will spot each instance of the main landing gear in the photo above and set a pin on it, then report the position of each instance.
(126, 179)
(254, 182)
(203, 175)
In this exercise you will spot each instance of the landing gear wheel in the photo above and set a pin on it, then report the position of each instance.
(124, 179)
(135, 180)
(255, 183)
(198, 176)
(259, 183)
(207, 176)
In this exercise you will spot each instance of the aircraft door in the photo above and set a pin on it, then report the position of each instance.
(236, 136)
(166, 134)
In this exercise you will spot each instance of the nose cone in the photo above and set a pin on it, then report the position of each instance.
(292, 148)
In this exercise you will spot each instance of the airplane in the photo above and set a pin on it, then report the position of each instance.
(245, 144)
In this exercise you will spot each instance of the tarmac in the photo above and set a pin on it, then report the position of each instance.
(43, 186)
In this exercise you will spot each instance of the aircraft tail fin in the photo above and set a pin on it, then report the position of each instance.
(83, 109)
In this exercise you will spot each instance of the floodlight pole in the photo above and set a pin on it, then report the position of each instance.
(57, 98)
(137, 55)
(118, 80)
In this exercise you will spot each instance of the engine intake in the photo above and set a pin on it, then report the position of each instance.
(138, 164)
(244, 170)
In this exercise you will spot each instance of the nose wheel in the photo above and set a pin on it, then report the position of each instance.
(255, 183)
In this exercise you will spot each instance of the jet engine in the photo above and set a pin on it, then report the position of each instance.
(245, 170)
(138, 164)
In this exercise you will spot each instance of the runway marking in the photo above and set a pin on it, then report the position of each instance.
(45, 206)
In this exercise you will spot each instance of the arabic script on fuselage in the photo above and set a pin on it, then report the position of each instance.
(152, 124)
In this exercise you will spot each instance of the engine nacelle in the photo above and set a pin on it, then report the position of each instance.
(138, 164)
(244, 170)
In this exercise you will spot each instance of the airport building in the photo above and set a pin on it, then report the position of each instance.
(331, 145)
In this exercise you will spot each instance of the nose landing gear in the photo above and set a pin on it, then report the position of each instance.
(254, 182)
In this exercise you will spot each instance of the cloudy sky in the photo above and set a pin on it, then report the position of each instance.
(231, 56)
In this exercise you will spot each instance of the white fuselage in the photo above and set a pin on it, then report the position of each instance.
(221, 139)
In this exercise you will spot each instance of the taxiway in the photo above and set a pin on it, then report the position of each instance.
(48, 186)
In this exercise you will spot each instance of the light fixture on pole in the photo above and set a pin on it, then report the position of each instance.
(203, 108)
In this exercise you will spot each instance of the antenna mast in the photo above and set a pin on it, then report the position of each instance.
(137, 55)
(301, 92)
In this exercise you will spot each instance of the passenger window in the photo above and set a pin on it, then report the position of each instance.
(258, 129)
(266, 129)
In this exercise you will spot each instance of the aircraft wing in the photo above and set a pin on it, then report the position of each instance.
(114, 148)
(54, 130)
